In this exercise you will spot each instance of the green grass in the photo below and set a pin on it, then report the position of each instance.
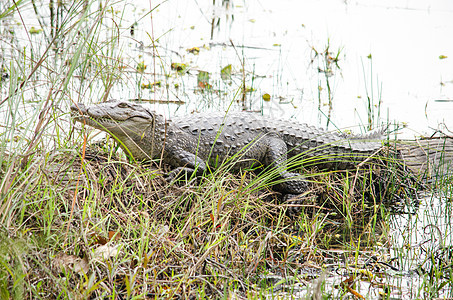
(373, 92)
(81, 220)
(327, 63)
(197, 238)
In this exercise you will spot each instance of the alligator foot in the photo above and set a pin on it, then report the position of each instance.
(292, 184)
(180, 173)
(294, 203)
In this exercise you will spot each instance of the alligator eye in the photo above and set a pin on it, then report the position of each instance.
(123, 105)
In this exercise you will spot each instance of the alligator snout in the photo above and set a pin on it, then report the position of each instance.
(78, 108)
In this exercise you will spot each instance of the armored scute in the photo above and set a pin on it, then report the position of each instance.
(194, 142)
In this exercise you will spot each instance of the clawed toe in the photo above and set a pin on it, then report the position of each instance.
(179, 173)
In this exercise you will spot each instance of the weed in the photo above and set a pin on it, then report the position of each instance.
(79, 221)
(327, 64)
(373, 92)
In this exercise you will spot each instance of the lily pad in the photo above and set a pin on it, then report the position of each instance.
(34, 30)
(203, 80)
(194, 50)
(225, 73)
(141, 67)
(179, 67)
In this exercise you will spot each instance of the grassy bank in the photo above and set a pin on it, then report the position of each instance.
(90, 224)
(79, 219)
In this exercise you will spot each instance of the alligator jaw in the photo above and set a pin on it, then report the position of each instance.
(108, 115)
(130, 124)
(80, 113)
(78, 109)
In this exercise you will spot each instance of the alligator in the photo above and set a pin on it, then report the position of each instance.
(194, 143)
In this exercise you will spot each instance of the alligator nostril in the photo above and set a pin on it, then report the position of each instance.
(78, 107)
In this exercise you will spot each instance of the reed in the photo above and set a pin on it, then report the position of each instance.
(81, 219)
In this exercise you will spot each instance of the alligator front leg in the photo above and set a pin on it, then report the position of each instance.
(186, 163)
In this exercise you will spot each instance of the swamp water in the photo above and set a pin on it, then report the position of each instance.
(334, 64)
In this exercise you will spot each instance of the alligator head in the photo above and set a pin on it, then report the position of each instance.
(131, 124)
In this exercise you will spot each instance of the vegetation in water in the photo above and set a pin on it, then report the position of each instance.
(81, 220)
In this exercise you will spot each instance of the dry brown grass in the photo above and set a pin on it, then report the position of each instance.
(103, 226)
